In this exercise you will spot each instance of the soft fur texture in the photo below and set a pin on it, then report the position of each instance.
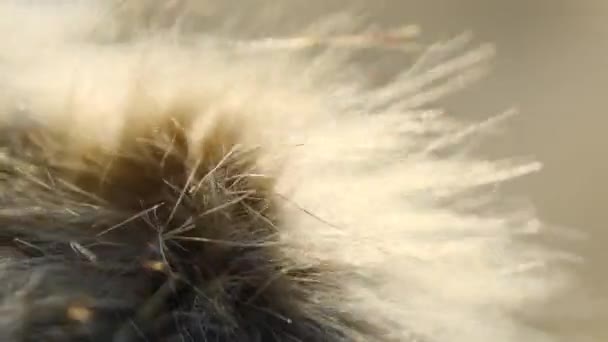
(160, 182)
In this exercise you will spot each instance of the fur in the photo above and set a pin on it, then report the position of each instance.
(159, 183)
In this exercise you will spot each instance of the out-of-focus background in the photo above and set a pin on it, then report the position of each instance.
(552, 64)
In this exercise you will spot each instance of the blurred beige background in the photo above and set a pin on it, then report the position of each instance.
(552, 64)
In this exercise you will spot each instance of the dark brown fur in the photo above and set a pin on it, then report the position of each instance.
(158, 239)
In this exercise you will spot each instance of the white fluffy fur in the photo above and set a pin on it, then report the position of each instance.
(360, 167)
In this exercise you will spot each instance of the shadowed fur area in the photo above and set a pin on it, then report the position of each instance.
(162, 180)
(160, 238)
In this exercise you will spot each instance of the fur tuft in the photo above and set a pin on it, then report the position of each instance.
(165, 184)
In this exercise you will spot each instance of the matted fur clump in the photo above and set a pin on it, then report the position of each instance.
(169, 184)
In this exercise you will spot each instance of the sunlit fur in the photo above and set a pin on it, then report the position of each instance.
(156, 183)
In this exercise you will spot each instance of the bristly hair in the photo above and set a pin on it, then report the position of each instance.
(164, 184)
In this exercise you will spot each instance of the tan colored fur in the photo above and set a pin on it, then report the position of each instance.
(350, 176)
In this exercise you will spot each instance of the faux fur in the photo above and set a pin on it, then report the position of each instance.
(160, 181)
